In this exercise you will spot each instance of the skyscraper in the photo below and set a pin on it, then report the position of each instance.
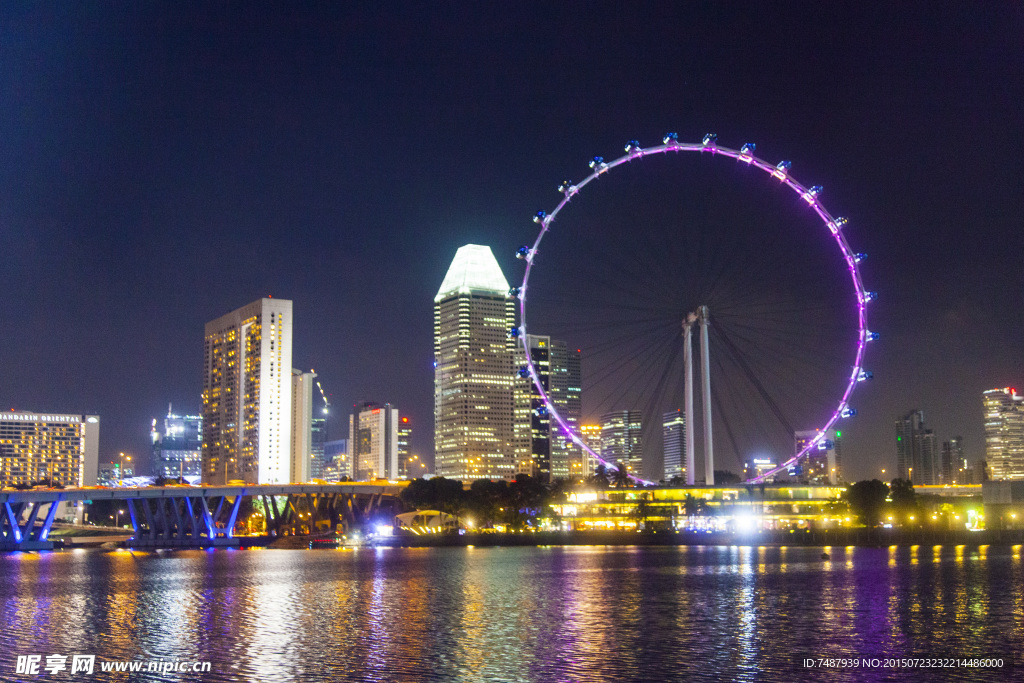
(337, 463)
(565, 389)
(916, 449)
(318, 433)
(621, 440)
(373, 439)
(590, 435)
(1004, 433)
(247, 395)
(177, 445)
(673, 431)
(952, 464)
(539, 464)
(302, 426)
(481, 412)
(404, 435)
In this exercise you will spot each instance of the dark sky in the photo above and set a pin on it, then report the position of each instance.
(164, 163)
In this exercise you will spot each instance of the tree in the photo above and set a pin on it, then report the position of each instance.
(437, 493)
(904, 499)
(600, 476)
(486, 498)
(867, 501)
(726, 477)
(621, 476)
(526, 499)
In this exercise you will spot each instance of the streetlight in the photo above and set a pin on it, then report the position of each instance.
(120, 465)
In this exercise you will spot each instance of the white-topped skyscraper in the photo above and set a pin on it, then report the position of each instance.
(481, 415)
(673, 432)
(247, 395)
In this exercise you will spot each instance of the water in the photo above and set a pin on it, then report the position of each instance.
(518, 614)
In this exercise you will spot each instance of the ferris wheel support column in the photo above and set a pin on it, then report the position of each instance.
(688, 396)
(709, 449)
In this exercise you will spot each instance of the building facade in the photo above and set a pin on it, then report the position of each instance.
(539, 463)
(673, 436)
(247, 395)
(57, 447)
(590, 435)
(373, 438)
(821, 466)
(337, 464)
(952, 464)
(177, 445)
(621, 440)
(481, 409)
(1004, 433)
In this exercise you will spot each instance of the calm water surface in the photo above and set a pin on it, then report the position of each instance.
(518, 614)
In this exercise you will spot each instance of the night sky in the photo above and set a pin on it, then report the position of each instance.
(162, 164)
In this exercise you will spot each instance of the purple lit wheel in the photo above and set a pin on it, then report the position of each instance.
(780, 174)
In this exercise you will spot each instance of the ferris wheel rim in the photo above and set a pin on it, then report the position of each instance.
(745, 154)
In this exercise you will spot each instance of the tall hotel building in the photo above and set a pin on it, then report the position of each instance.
(481, 414)
(1004, 433)
(916, 450)
(247, 395)
(566, 391)
(58, 447)
(302, 426)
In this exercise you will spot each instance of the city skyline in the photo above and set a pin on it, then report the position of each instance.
(183, 188)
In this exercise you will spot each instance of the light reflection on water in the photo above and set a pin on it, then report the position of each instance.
(519, 614)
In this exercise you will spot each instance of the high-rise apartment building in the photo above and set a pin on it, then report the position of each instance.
(481, 410)
(57, 447)
(565, 389)
(673, 434)
(373, 439)
(916, 449)
(303, 411)
(822, 465)
(247, 395)
(621, 440)
(1004, 433)
(177, 445)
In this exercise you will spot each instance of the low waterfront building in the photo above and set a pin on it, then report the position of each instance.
(710, 508)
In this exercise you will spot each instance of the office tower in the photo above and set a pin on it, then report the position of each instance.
(621, 440)
(566, 392)
(336, 461)
(673, 432)
(481, 410)
(177, 445)
(58, 447)
(590, 435)
(822, 465)
(318, 435)
(952, 464)
(247, 395)
(916, 449)
(1004, 433)
(302, 426)
(404, 434)
(539, 464)
(373, 438)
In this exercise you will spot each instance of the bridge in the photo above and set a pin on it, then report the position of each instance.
(200, 516)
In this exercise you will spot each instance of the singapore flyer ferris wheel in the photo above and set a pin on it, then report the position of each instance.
(787, 337)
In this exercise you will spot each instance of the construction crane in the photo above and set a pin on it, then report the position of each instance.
(327, 403)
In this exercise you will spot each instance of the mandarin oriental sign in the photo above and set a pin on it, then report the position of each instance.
(31, 417)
